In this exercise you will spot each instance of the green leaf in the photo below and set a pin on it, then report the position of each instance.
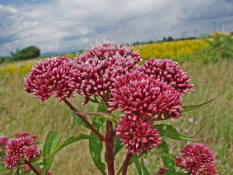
(117, 145)
(135, 159)
(4, 170)
(189, 109)
(78, 120)
(73, 139)
(144, 169)
(50, 145)
(168, 159)
(219, 169)
(169, 131)
(96, 146)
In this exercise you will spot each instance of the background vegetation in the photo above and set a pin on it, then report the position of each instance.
(212, 77)
(24, 54)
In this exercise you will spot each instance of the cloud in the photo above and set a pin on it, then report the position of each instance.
(60, 25)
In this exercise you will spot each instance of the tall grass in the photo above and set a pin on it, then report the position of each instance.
(19, 111)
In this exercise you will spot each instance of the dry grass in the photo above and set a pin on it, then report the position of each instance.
(21, 112)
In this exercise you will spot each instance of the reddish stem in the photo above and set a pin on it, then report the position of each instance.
(32, 167)
(126, 163)
(101, 137)
(110, 148)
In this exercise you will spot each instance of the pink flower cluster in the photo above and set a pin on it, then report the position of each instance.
(169, 72)
(109, 71)
(137, 134)
(196, 159)
(98, 67)
(161, 171)
(19, 149)
(51, 77)
(139, 94)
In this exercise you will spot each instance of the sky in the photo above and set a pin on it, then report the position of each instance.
(71, 25)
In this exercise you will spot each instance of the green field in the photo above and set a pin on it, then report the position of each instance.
(19, 111)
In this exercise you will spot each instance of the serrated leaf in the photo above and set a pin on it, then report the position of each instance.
(169, 131)
(144, 169)
(117, 145)
(4, 170)
(78, 120)
(168, 159)
(189, 109)
(50, 145)
(73, 139)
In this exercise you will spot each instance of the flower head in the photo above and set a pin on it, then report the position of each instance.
(22, 134)
(168, 71)
(137, 134)
(98, 67)
(161, 171)
(51, 77)
(3, 140)
(139, 94)
(196, 159)
(30, 152)
(18, 149)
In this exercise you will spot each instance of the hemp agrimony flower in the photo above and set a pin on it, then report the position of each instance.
(18, 149)
(196, 159)
(51, 77)
(139, 94)
(169, 72)
(137, 134)
(98, 67)
(144, 94)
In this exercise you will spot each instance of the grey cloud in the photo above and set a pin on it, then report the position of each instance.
(60, 25)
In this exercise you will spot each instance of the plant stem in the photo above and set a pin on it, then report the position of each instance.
(32, 167)
(126, 163)
(17, 171)
(101, 137)
(110, 134)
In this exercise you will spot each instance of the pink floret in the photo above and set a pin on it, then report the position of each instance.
(51, 77)
(139, 94)
(137, 134)
(197, 160)
(21, 134)
(168, 71)
(98, 67)
(18, 149)
(161, 171)
(30, 152)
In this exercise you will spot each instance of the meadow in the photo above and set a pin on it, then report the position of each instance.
(212, 125)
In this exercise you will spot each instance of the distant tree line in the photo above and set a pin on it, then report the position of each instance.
(170, 38)
(23, 54)
(165, 39)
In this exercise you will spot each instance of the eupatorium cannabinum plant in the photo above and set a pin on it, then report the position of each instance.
(109, 75)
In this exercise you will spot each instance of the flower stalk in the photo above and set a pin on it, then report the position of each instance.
(32, 167)
(100, 136)
(126, 163)
(110, 134)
